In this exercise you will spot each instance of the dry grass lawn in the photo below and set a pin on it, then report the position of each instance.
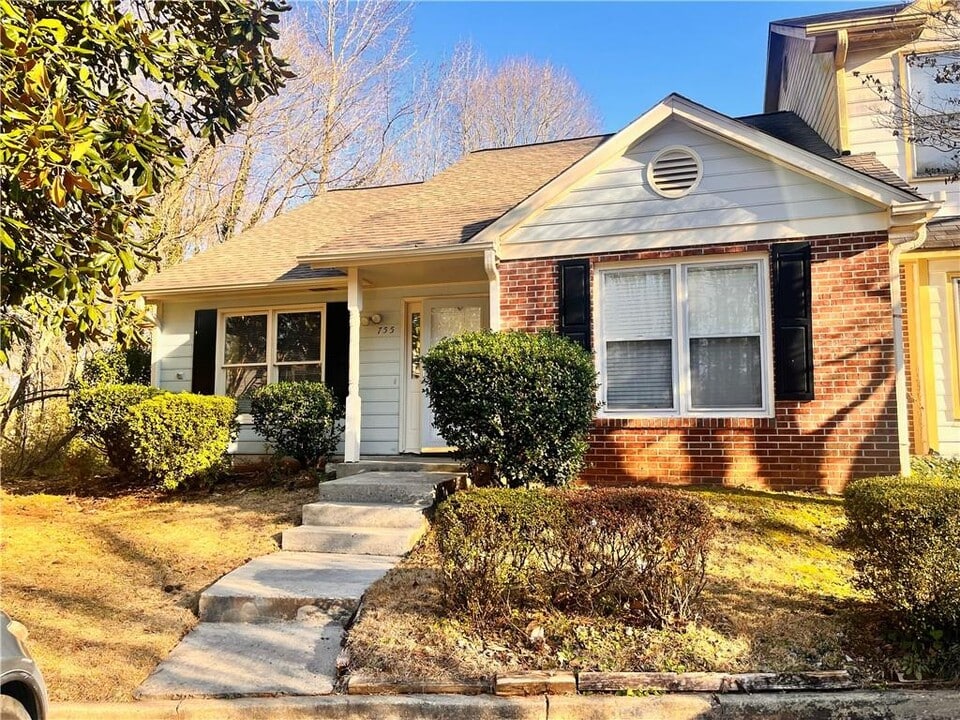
(108, 585)
(778, 598)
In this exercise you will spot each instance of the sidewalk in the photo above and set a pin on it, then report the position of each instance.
(853, 705)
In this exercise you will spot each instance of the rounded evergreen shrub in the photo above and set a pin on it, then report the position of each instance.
(176, 437)
(515, 405)
(905, 537)
(301, 420)
(100, 414)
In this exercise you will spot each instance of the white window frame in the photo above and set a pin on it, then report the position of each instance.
(681, 357)
(908, 71)
(272, 364)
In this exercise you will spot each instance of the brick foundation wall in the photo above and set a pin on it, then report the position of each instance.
(848, 431)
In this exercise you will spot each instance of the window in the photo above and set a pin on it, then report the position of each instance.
(689, 338)
(935, 107)
(263, 346)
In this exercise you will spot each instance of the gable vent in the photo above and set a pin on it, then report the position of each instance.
(674, 172)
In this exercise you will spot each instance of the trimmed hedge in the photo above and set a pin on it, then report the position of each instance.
(300, 420)
(517, 406)
(153, 435)
(905, 536)
(639, 553)
(175, 437)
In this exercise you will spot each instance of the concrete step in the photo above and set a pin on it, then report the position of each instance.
(403, 488)
(377, 515)
(351, 539)
(240, 659)
(274, 587)
(404, 464)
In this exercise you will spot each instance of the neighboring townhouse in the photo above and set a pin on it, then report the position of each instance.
(825, 69)
(738, 282)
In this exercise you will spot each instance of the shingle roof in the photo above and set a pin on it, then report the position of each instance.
(842, 15)
(788, 126)
(447, 209)
(791, 128)
(268, 252)
(868, 164)
(942, 234)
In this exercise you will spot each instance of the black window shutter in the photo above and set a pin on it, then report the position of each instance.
(337, 353)
(203, 377)
(792, 321)
(575, 300)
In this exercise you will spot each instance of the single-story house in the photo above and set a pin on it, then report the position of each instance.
(738, 281)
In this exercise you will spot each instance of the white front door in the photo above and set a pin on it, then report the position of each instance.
(444, 318)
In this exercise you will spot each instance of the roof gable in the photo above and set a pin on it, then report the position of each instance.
(740, 197)
(825, 171)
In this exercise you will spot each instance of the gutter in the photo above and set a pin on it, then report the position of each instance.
(378, 257)
(899, 358)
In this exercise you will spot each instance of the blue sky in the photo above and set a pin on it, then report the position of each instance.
(626, 55)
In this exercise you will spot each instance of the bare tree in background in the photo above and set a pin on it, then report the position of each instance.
(467, 104)
(334, 125)
(924, 107)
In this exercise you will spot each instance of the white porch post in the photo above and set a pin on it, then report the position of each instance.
(352, 430)
(493, 275)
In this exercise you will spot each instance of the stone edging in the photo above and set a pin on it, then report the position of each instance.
(570, 683)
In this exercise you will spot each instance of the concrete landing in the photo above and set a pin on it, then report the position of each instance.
(402, 463)
(274, 587)
(223, 660)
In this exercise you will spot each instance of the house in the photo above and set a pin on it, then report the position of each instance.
(760, 293)
(823, 67)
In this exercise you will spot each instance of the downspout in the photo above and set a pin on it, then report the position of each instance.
(899, 357)
(493, 275)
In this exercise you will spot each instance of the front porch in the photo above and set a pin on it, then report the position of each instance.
(396, 311)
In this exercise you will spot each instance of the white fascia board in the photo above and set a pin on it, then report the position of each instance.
(381, 256)
(331, 283)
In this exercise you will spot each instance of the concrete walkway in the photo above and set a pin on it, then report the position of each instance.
(275, 625)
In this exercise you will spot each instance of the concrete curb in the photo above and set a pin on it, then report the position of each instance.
(850, 705)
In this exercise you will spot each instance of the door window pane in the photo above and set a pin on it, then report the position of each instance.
(640, 374)
(449, 321)
(723, 300)
(298, 336)
(246, 339)
(725, 373)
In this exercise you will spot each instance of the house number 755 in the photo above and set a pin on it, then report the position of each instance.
(386, 330)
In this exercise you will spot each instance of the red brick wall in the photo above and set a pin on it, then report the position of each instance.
(848, 431)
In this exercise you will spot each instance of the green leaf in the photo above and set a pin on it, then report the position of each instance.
(55, 27)
(80, 149)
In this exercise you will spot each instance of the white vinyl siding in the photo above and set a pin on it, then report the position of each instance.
(741, 197)
(808, 87)
(381, 353)
(868, 118)
(687, 338)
